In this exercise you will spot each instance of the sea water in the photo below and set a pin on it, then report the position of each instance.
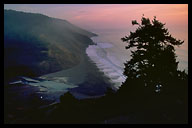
(109, 54)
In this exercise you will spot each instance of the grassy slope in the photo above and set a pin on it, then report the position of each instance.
(35, 44)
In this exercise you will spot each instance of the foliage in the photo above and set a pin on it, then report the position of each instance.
(153, 59)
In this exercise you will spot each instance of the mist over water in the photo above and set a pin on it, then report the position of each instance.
(109, 56)
(113, 21)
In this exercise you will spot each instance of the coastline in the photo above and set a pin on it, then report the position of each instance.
(105, 62)
(87, 79)
(91, 82)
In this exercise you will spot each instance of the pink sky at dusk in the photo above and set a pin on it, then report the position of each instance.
(110, 15)
(114, 16)
(119, 16)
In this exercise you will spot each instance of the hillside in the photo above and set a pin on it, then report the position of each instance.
(35, 44)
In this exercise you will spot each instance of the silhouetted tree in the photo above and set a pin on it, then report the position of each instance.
(153, 61)
(67, 98)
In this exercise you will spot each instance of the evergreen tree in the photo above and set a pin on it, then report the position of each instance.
(153, 61)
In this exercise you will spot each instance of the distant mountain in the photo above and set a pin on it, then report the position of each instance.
(35, 44)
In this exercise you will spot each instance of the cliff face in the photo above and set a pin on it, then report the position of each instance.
(35, 44)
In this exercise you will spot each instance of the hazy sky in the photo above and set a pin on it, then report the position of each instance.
(107, 15)
(114, 16)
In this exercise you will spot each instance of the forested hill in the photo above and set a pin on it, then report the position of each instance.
(35, 44)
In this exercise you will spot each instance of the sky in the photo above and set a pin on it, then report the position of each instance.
(115, 17)
(108, 15)
(112, 16)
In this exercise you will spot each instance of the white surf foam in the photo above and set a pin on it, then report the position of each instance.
(106, 62)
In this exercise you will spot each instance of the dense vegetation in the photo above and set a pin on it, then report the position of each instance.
(155, 91)
(154, 60)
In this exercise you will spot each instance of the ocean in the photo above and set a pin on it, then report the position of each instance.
(109, 54)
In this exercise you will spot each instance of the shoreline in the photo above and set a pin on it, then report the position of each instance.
(91, 83)
(81, 80)
(88, 79)
(103, 60)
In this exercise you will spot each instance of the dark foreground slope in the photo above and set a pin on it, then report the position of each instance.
(129, 105)
(35, 44)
